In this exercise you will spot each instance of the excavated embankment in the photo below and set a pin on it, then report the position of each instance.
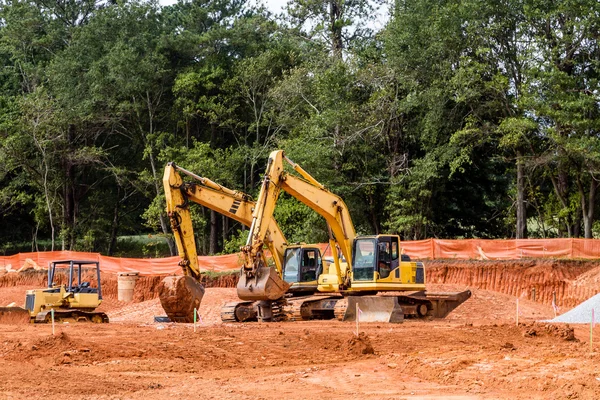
(572, 281)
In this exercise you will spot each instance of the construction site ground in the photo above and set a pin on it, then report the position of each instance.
(477, 352)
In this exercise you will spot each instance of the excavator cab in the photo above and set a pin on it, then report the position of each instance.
(302, 267)
(378, 265)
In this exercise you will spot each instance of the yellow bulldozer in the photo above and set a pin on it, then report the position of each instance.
(73, 301)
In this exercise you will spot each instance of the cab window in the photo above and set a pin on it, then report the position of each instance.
(364, 259)
(384, 259)
(310, 263)
(290, 273)
(394, 250)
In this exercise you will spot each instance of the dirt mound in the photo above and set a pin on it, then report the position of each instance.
(486, 306)
(360, 345)
(54, 341)
(564, 332)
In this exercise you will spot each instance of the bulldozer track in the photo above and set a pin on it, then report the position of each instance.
(45, 317)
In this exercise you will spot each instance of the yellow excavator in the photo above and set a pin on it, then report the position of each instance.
(366, 266)
(268, 281)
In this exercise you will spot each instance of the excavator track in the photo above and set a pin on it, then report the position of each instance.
(278, 310)
(246, 311)
(238, 311)
(294, 311)
(311, 307)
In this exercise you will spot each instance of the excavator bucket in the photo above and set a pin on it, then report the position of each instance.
(374, 309)
(179, 296)
(14, 315)
(266, 284)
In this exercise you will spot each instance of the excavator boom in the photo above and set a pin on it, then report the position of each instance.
(259, 281)
(180, 295)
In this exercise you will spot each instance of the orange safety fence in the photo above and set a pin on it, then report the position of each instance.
(478, 249)
(145, 266)
(493, 249)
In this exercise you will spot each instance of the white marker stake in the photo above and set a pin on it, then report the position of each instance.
(592, 333)
(517, 319)
(52, 314)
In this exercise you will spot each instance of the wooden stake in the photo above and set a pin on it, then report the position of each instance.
(52, 314)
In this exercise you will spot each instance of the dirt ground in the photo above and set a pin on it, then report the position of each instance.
(477, 352)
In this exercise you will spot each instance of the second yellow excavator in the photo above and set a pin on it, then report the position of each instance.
(366, 266)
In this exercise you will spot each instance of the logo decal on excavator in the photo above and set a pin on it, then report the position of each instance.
(234, 207)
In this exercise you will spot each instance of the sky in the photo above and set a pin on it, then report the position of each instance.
(277, 6)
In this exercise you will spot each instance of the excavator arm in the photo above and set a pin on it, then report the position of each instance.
(233, 204)
(313, 194)
(179, 295)
(258, 281)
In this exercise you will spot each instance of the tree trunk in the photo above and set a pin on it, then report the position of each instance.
(587, 206)
(374, 220)
(68, 208)
(225, 225)
(112, 241)
(521, 203)
(561, 187)
(335, 13)
(164, 223)
(213, 233)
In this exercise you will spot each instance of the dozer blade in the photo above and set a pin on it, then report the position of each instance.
(444, 303)
(179, 296)
(374, 309)
(14, 315)
(266, 284)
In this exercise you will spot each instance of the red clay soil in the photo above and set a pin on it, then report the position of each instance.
(477, 352)
(297, 360)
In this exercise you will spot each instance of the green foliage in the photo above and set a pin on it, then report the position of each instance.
(420, 127)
